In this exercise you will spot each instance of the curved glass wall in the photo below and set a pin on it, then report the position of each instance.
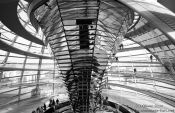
(26, 65)
(145, 63)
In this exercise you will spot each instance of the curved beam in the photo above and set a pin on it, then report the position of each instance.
(156, 14)
(135, 23)
(130, 49)
(6, 47)
(142, 30)
(9, 18)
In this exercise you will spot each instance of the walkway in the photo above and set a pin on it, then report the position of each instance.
(138, 101)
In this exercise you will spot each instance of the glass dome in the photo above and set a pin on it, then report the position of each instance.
(141, 62)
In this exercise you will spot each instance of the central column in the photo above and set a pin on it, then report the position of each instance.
(82, 67)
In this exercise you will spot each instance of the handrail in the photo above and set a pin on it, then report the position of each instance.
(154, 78)
(149, 93)
(135, 23)
(121, 108)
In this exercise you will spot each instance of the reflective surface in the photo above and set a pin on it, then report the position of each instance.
(20, 75)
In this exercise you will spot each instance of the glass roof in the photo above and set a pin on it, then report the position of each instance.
(36, 65)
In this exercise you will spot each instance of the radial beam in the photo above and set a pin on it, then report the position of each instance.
(6, 47)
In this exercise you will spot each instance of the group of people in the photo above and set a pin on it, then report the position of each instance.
(53, 102)
(104, 103)
(101, 101)
(42, 109)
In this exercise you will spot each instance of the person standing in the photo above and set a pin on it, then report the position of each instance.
(50, 103)
(135, 70)
(53, 102)
(121, 46)
(116, 58)
(151, 58)
(57, 101)
(44, 107)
